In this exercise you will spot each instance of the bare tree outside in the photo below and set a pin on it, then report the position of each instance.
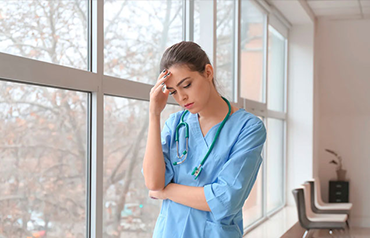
(224, 77)
(136, 35)
(43, 161)
(43, 142)
(225, 47)
(51, 31)
(128, 210)
(44, 130)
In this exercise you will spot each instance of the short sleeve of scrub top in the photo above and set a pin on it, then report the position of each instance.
(227, 195)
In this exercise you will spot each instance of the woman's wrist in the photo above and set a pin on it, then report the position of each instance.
(154, 116)
(166, 191)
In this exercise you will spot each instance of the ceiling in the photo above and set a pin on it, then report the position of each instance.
(304, 11)
(340, 9)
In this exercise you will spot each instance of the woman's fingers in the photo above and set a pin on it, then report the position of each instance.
(163, 79)
(160, 82)
(162, 74)
(161, 87)
(158, 99)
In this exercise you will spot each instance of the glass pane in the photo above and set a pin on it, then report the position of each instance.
(275, 163)
(127, 211)
(51, 31)
(276, 70)
(225, 48)
(252, 209)
(198, 21)
(202, 22)
(43, 161)
(252, 47)
(136, 33)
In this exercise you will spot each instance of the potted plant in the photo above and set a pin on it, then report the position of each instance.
(341, 173)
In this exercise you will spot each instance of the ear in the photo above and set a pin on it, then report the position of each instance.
(208, 71)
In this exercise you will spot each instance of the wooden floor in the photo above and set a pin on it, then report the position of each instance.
(297, 231)
(284, 224)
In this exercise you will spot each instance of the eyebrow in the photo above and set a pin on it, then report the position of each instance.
(179, 82)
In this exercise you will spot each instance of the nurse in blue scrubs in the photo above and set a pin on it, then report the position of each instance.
(204, 169)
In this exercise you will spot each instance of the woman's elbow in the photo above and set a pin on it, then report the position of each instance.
(154, 182)
(154, 186)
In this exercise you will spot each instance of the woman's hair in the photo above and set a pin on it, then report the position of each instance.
(185, 53)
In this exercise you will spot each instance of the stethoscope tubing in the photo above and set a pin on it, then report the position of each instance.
(198, 169)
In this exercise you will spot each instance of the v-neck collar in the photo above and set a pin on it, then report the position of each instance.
(198, 131)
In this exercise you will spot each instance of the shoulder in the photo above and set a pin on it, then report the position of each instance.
(248, 119)
(250, 127)
(174, 119)
(250, 132)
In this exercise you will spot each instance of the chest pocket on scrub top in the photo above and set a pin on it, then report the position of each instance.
(216, 230)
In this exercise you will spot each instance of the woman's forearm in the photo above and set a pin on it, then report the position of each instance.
(154, 166)
(187, 195)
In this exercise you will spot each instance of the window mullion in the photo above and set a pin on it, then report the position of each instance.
(97, 120)
(237, 63)
(189, 20)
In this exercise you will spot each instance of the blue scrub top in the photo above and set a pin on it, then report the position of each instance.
(228, 175)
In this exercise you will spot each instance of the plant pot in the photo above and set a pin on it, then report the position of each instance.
(341, 174)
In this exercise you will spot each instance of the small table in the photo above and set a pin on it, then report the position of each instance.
(338, 191)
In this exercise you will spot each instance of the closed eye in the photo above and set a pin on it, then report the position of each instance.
(174, 92)
(187, 85)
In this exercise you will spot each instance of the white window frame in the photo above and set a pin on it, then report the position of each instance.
(25, 70)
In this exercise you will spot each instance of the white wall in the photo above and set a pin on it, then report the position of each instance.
(343, 72)
(300, 107)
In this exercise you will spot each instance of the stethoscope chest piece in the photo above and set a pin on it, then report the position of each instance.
(197, 170)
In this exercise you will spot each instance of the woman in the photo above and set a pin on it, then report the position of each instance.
(205, 181)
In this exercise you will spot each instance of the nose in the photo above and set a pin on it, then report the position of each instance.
(183, 96)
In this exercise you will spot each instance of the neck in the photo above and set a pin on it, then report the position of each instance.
(215, 109)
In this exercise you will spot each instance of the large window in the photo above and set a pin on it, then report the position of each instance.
(51, 31)
(276, 71)
(252, 45)
(136, 33)
(74, 131)
(262, 86)
(275, 163)
(128, 211)
(252, 209)
(43, 161)
(223, 61)
(225, 47)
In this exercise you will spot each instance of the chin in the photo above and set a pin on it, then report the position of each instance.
(191, 110)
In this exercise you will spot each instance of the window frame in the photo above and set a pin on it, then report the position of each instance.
(93, 81)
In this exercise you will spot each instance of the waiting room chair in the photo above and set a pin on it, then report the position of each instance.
(328, 206)
(310, 220)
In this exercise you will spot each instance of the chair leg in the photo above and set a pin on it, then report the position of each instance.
(306, 234)
(347, 224)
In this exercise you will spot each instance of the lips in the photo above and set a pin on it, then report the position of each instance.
(189, 105)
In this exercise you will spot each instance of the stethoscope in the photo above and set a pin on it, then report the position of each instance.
(197, 170)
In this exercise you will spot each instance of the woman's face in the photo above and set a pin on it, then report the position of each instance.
(190, 89)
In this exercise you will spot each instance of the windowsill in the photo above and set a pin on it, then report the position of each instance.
(276, 225)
